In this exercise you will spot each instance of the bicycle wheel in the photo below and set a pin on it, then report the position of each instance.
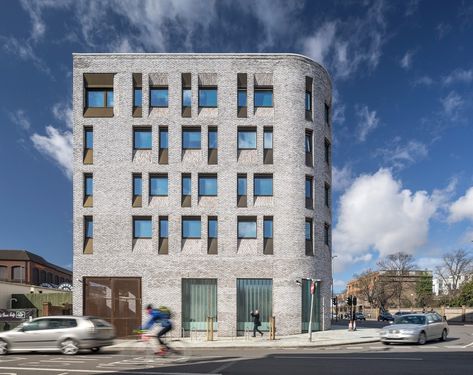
(180, 351)
(142, 351)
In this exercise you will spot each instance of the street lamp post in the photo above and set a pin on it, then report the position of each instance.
(312, 292)
(331, 310)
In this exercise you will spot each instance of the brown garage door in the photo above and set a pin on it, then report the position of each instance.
(115, 299)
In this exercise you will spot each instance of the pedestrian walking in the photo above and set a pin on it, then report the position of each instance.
(256, 322)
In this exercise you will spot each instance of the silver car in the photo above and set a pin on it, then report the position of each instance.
(68, 334)
(418, 328)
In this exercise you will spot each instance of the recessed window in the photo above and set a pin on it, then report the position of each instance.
(246, 139)
(308, 101)
(263, 98)
(89, 227)
(99, 98)
(308, 187)
(163, 138)
(186, 185)
(191, 139)
(163, 227)
(88, 185)
(191, 227)
(213, 139)
(268, 227)
(142, 139)
(327, 114)
(89, 138)
(158, 97)
(268, 139)
(246, 227)
(186, 97)
(18, 273)
(242, 185)
(308, 142)
(208, 97)
(142, 227)
(213, 227)
(327, 195)
(263, 185)
(137, 97)
(327, 151)
(242, 98)
(158, 185)
(208, 185)
(308, 230)
(137, 185)
(327, 234)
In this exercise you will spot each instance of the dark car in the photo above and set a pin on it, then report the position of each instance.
(401, 313)
(385, 316)
(360, 316)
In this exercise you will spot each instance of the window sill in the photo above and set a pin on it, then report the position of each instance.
(98, 112)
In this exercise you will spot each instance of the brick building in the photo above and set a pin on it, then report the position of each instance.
(202, 182)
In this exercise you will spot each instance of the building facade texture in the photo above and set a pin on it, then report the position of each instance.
(257, 128)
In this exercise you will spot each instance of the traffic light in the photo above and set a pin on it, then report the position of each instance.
(354, 301)
(349, 301)
(334, 301)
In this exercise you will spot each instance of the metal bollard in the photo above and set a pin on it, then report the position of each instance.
(272, 328)
(210, 328)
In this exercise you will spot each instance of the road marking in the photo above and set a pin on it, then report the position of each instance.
(468, 345)
(11, 359)
(134, 372)
(454, 347)
(354, 347)
(223, 367)
(356, 358)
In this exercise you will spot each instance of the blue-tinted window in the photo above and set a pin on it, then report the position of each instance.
(213, 228)
(142, 139)
(263, 98)
(158, 97)
(208, 185)
(246, 139)
(89, 138)
(158, 185)
(308, 101)
(308, 230)
(247, 228)
(268, 228)
(308, 142)
(186, 98)
(213, 142)
(163, 228)
(242, 100)
(137, 97)
(263, 185)
(186, 185)
(268, 139)
(137, 185)
(95, 99)
(109, 98)
(191, 228)
(242, 185)
(207, 97)
(89, 185)
(191, 138)
(89, 227)
(308, 188)
(163, 138)
(142, 228)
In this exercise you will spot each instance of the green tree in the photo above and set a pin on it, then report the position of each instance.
(465, 296)
(424, 290)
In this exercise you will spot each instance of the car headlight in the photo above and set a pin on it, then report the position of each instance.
(408, 331)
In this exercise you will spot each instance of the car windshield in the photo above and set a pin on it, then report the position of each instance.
(410, 319)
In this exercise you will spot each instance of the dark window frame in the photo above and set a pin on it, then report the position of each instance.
(265, 177)
(106, 92)
(191, 130)
(205, 175)
(142, 218)
(261, 89)
(208, 88)
(158, 176)
(191, 218)
(142, 129)
(159, 88)
(250, 219)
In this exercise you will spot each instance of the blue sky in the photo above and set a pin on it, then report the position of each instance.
(403, 78)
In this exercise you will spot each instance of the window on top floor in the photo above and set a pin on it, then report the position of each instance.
(208, 97)
(158, 97)
(263, 97)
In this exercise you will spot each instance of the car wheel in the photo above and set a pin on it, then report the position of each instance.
(385, 342)
(444, 335)
(69, 346)
(422, 338)
(3, 347)
(95, 350)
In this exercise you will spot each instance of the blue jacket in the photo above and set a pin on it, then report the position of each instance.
(158, 317)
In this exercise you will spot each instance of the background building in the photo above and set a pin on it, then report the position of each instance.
(202, 182)
(21, 266)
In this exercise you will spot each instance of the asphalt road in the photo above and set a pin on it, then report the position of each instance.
(455, 356)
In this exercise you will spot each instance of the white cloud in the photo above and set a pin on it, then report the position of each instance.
(423, 81)
(19, 118)
(406, 61)
(400, 156)
(443, 29)
(377, 214)
(452, 103)
(24, 51)
(63, 112)
(344, 46)
(458, 75)
(428, 263)
(57, 146)
(411, 8)
(341, 178)
(462, 208)
(367, 122)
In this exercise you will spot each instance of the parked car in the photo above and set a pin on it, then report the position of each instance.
(399, 313)
(385, 316)
(360, 316)
(68, 334)
(418, 328)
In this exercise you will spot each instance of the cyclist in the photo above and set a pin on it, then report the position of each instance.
(162, 316)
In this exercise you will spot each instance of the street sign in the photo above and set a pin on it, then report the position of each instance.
(16, 315)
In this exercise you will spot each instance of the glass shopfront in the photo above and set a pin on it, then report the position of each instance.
(199, 302)
(254, 294)
(306, 297)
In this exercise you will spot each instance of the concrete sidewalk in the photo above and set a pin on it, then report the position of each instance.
(338, 335)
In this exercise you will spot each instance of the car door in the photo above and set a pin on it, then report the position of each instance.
(432, 327)
(30, 335)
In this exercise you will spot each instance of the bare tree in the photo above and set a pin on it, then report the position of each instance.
(374, 289)
(365, 285)
(456, 267)
(395, 268)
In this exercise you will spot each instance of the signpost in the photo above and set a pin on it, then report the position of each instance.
(16, 315)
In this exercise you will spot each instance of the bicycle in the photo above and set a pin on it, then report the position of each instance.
(146, 349)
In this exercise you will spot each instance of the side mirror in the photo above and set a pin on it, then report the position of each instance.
(391, 322)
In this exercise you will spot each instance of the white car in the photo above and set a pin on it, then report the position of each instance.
(68, 334)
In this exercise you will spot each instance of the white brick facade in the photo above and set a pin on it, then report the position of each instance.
(113, 251)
